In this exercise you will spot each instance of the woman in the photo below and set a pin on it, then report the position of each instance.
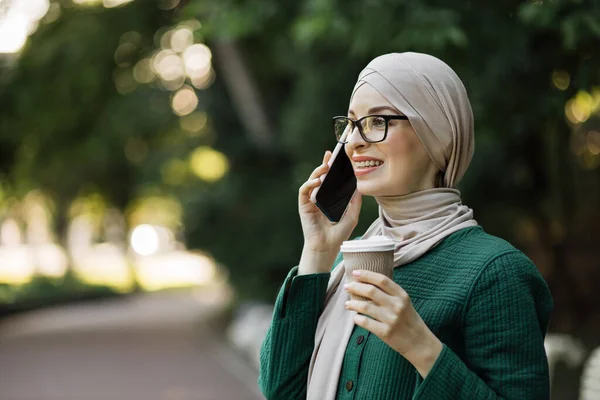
(466, 313)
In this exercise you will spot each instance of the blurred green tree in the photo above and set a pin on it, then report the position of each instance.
(68, 120)
(64, 124)
(532, 70)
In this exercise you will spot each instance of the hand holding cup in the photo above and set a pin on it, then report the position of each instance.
(375, 254)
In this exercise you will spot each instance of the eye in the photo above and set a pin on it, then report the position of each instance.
(379, 123)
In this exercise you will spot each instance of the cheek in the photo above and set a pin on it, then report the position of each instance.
(406, 141)
(402, 150)
(406, 155)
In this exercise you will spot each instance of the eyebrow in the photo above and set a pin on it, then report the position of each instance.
(378, 109)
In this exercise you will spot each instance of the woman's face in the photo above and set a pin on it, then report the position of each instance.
(406, 166)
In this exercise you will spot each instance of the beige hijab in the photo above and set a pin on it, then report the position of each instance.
(434, 99)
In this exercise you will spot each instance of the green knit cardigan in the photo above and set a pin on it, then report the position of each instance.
(484, 299)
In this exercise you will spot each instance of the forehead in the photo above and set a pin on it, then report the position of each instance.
(366, 98)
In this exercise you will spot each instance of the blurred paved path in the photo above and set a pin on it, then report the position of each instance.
(150, 347)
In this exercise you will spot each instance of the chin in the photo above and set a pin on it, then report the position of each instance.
(370, 188)
(375, 188)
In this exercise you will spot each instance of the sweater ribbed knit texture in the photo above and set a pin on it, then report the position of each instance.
(484, 299)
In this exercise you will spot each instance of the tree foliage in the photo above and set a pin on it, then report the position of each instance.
(532, 70)
(535, 176)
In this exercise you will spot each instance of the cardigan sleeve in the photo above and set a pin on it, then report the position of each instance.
(504, 322)
(286, 351)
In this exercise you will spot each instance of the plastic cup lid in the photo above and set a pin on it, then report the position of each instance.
(374, 243)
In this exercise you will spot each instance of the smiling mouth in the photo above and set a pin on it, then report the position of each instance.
(368, 164)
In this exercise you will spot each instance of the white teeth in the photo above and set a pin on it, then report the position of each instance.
(367, 164)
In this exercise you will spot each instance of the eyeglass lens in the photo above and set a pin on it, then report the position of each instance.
(373, 128)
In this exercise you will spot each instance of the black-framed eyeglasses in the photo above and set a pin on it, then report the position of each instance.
(372, 128)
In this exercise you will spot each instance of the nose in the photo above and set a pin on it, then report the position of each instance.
(355, 140)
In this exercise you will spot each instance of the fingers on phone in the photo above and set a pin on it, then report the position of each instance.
(320, 170)
(309, 185)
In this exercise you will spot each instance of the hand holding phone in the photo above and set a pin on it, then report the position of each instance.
(337, 186)
(320, 234)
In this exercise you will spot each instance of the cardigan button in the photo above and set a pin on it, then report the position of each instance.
(349, 385)
(360, 339)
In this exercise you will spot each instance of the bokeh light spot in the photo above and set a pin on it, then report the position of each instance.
(595, 93)
(132, 37)
(87, 2)
(208, 164)
(53, 13)
(36, 9)
(194, 122)
(114, 3)
(197, 59)
(593, 142)
(143, 72)
(165, 40)
(204, 81)
(181, 39)
(144, 240)
(191, 24)
(185, 101)
(124, 81)
(561, 79)
(579, 108)
(13, 33)
(155, 209)
(167, 4)
(124, 54)
(169, 66)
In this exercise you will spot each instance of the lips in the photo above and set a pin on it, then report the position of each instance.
(364, 165)
(364, 158)
(361, 162)
(367, 164)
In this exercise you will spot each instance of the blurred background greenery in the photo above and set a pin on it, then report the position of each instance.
(133, 131)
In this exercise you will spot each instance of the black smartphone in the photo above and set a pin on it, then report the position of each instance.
(337, 187)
